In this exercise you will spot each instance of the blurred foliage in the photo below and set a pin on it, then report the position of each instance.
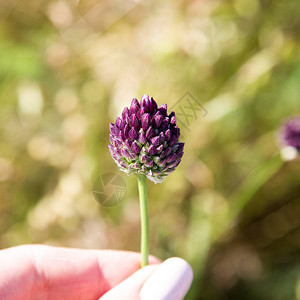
(232, 208)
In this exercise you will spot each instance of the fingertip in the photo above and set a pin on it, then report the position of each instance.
(170, 281)
(129, 289)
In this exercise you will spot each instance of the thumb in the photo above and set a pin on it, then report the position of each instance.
(129, 289)
(170, 280)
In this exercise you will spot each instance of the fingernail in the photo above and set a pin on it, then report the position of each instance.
(171, 281)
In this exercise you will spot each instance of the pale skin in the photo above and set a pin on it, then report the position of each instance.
(43, 272)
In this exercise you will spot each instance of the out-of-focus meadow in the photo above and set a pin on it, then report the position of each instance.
(232, 208)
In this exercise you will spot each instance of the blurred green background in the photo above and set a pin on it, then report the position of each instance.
(232, 208)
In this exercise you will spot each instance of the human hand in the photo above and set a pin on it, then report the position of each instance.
(43, 272)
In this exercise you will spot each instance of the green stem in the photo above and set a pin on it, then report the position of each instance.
(144, 219)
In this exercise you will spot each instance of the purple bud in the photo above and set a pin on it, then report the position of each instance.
(145, 102)
(144, 149)
(179, 155)
(173, 140)
(150, 133)
(156, 159)
(152, 105)
(159, 174)
(159, 149)
(157, 120)
(117, 143)
(133, 134)
(118, 122)
(181, 146)
(123, 164)
(111, 139)
(117, 152)
(123, 138)
(142, 139)
(155, 141)
(152, 150)
(176, 132)
(171, 158)
(117, 133)
(135, 106)
(174, 163)
(161, 137)
(172, 114)
(161, 163)
(133, 156)
(163, 109)
(149, 164)
(145, 120)
(142, 111)
(168, 135)
(125, 153)
(144, 158)
(169, 170)
(128, 143)
(166, 152)
(173, 120)
(111, 150)
(134, 122)
(112, 128)
(145, 140)
(126, 131)
(122, 124)
(135, 148)
(164, 125)
(175, 147)
(291, 133)
(125, 114)
(135, 165)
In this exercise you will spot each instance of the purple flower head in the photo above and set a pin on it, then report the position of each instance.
(144, 140)
(290, 135)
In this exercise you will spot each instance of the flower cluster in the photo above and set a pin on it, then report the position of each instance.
(291, 133)
(145, 140)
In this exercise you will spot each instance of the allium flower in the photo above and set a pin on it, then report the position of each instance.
(145, 140)
(291, 133)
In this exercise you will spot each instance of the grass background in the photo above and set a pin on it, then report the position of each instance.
(232, 208)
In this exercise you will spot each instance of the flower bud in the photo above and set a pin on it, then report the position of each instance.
(145, 140)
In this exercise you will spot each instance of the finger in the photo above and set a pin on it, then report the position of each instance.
(59, 273)
(129, 289)
(171, 281)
